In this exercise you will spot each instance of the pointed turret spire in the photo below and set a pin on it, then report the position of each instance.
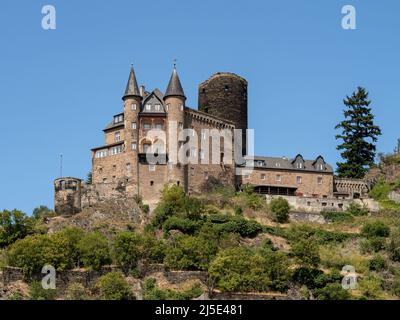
(132, 88)
(174, 86)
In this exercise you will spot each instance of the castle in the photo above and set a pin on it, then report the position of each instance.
(152, 123)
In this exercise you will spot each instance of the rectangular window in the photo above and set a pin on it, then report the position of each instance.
(159, 126)
(278, 178)
(319, 180)
(201, 154)
(134, 146)
(298, 179)
(134, 125)
(203, 135)
(117, 136)
(180, 126)
(128, 167)
(157, 107)
(101, 153)
(115, 150)
(247, 176)
(119, 118)
(148, 107)
(263, 177)
(146, 126)
(152, 167)
(167, 107)
(133, 106)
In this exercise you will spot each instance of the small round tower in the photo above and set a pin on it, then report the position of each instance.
(174, 99)
(67, 200)
(224, 95)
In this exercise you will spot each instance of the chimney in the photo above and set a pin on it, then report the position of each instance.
(142, 91)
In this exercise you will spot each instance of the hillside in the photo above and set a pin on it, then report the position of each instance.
(221, 244)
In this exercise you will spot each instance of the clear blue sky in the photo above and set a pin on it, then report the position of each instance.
(59, 88)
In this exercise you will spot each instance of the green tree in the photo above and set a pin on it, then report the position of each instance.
(14, 225)
(190, 253)
(306, 252)
(280, 209)
(89, 178)
(359, 135)
(42, 212)
(113, 286)
(127, 250)
(36, 251)
(94, 250)
(238, 269)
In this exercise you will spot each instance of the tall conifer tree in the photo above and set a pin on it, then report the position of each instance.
(359, 135)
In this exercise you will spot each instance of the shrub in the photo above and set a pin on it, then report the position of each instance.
(332, 291)
(373, 244)
(356, 209)
(396, 285)
(76, 291)
(113, 286)
(190, 253)
(377, 263)
(235, 224)
(238, 210)
(185, 225)
(253, 200)
(370, 287)
(145, 208)
(335, 216)
(380, 190)
(319, 235)
(394, 246)
(151, 292)
(375, 229)
(239, 269)
(307, 276)
(280, 210)
(94, 250)
(36, 292)
(306, 252)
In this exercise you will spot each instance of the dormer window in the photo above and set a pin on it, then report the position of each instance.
(148, 107)
(299, 165)
(277, 164)
(119, 118)
(157, 107)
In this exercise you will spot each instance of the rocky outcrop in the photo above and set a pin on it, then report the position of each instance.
(114, 214)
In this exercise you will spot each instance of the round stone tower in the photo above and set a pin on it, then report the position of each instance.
(224, 95)
(174, 99)
(67, 200)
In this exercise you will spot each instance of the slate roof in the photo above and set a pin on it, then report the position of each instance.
(174, 87)
(285, 163)
(132, 88)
